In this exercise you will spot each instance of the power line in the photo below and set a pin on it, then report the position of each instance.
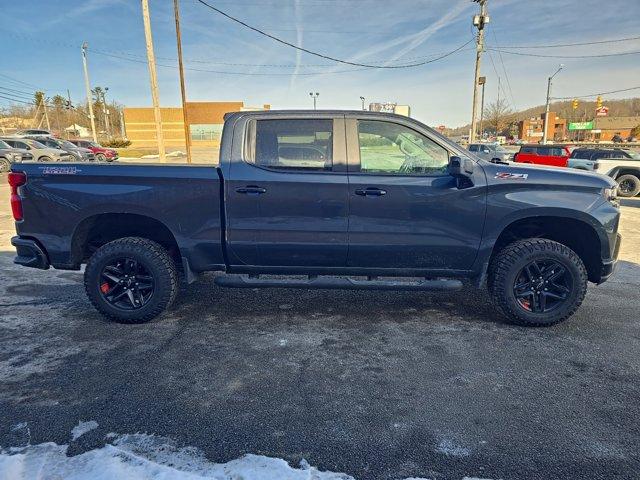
(320, 55)
(557, 45)
(17, 81)
(16, 100)
(563, 56)
(596, 94)
(17, 92)
(506, 75)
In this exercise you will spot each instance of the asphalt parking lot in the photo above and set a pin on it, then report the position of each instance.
(379, 385)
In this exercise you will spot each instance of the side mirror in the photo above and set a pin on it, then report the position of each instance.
(462, 170)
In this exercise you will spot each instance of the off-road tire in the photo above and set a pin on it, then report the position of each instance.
(635, 181)
(507, 264)
(156, 260)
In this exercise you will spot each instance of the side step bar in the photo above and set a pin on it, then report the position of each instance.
(333, 283)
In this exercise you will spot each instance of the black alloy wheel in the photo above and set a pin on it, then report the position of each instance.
(542, 286)
(626, 186)
(127, 284)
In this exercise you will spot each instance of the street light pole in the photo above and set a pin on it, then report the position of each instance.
(88, 88)
(482, 81)
(315, 97)
(545, 124)
(362, 99)
(479, 21)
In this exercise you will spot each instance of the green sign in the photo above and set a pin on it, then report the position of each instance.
(581, 126)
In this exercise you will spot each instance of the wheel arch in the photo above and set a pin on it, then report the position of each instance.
(96, 230)
(579, 235)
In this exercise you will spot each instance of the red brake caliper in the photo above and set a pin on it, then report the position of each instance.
(104, 288)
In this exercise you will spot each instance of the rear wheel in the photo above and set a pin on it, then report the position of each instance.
(537, 282)
(5, 165)
(628, 185)
(101, 157)
(131, 280)
(44, 158)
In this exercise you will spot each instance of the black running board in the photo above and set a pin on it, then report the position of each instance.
(334, 283)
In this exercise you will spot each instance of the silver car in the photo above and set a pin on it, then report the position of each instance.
(491, 152)
(40, 152)
(10, 155)
(79, 154)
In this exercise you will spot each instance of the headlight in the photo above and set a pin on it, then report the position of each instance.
(610, 194)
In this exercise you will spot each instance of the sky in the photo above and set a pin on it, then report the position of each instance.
(40, 48)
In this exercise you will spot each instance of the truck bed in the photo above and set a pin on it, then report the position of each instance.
(65, 202)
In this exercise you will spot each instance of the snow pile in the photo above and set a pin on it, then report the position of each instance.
(145, 457)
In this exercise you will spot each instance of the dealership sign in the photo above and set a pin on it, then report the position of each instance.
(602, 111)
(581, 126)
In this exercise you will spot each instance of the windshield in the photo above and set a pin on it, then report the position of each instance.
(4, 144)
(635, 155)
(37, 145)
(65, 144)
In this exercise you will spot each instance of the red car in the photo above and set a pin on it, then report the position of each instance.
(554, 155)
(102, 154)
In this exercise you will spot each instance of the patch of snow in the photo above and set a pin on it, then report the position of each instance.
(82, 428)
(450, 449)
(145, 457)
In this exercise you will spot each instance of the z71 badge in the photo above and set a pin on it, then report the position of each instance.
(511, 176)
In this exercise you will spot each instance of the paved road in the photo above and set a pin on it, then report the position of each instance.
(380, 385)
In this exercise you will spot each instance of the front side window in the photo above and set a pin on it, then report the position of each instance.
(300, 144)
(391, 149)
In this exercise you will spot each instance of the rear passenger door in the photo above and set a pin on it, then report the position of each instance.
(287, 194)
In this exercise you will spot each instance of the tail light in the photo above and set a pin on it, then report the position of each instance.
(16, 179)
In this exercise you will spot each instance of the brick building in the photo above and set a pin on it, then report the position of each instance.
(604, 128)
(531, 130)
(205, 121)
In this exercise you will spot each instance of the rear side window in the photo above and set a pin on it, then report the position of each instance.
(528, 150)
(584, 154)
(300, 144)
(473, 148)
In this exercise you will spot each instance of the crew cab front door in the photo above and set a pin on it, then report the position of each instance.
(287, 193)
(405, 211)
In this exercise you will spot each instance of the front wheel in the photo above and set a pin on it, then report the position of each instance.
(131, 280)
(101, 157)
(5, 165)
(628, 185)
(537, 282)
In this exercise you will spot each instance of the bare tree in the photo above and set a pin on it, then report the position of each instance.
(498, 115)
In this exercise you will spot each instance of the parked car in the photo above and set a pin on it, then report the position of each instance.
(34, 131)
(624, 169)
(553, 155)
(10, 155)
(80, 154)
(617, 138)
(102, 154)
(386, 196)
(585, 158)
(491, 152)
(40, 152)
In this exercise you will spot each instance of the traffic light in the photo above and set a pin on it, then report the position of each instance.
(599, 102)
(574, 104)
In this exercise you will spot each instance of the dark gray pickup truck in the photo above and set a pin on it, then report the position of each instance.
(334, 199)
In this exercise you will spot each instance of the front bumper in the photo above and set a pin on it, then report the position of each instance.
(609, 266)
(29, 253)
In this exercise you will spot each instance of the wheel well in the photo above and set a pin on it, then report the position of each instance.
(575, 234)
(635, 173)
(95, 231)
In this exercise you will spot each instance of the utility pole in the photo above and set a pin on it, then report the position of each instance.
(123, 131)
(315, 97)
(105, 112)
(183, 92)
(482, 81)
(545, 124)
(362, 99)
(151, 60)
(46, 114)
(479, 21)
(87, 86)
